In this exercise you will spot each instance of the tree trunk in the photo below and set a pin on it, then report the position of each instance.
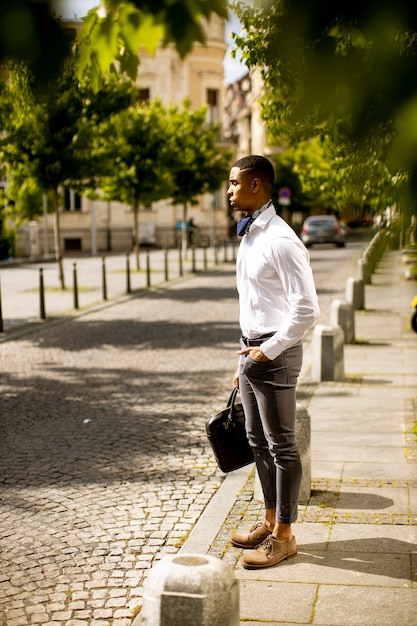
(57, 238)
(135, 208)
(184, 232)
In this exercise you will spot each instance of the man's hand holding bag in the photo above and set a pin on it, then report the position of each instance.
(227, 436)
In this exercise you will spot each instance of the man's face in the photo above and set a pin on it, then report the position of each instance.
(240, 190)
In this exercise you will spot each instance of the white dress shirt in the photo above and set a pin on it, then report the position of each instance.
(275, 284)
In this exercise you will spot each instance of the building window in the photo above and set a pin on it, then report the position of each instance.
(72, 244)
(144, 95)
(213, 105)
(72, 200)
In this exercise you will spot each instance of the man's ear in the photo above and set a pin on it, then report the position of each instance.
(256, 183)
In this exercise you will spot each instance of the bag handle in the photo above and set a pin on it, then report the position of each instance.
(230, 406)
(232, 398)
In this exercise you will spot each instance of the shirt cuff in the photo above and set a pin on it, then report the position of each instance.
(271, 348)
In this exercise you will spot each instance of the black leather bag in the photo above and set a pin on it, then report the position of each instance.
(227, 436)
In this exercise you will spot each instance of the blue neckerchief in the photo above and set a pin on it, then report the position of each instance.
(243, 225)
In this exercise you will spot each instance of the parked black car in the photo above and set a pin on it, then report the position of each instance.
(323, 229)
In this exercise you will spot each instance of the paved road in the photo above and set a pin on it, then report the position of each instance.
(104, 463)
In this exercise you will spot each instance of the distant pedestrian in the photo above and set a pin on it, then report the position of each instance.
(278, 303)
(191, 228)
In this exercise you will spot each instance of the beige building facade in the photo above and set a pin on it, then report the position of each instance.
(98, 226)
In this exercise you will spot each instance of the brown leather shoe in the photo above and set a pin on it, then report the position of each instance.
(270, 552)
(256, 535)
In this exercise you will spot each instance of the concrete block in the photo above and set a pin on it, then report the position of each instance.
(343, 315)
(190, 590)
(328, 355)
(364, 270)
(303, 433)
(355, 293)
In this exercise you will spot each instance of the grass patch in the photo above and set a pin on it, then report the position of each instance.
(182, 540)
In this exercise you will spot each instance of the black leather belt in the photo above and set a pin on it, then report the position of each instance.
(256, 341)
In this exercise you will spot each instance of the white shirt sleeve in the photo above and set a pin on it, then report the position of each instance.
(291, 261)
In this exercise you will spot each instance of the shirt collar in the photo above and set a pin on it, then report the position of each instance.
(265, 216)
(261, 209)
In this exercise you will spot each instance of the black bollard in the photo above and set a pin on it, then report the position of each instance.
(128, 288)
(205, 257)
(166, 265)
(1, 315)
(180, 261)
(103, 267)
(41, 296)
(148, 269)
(193, 260)
(75, 285)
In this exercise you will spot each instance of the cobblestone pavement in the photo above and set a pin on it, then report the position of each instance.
(90, 501)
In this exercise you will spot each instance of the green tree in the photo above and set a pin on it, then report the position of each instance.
(199, 166)
(113, 33)
(334, 178)
(140, 150)
(343, 70)
(51, 135)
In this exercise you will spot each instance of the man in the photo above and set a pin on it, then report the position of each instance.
(278, 303)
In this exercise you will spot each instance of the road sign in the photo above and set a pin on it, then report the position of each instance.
(284, 196)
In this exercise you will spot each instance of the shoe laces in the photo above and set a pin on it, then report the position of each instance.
(267, 544)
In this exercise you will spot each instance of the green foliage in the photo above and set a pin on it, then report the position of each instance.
(113, 33)
(161, 152)
(333, 177)
(50, 133)
(307, 161)
(24, 197)
(50, 137)
(7, 236)
(198, 165)
(343, 72)
(138, 154)
(111, 36)
(29, 33)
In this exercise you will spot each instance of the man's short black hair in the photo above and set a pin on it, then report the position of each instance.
(259, 165)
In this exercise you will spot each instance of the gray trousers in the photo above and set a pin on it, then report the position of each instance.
(268, 396)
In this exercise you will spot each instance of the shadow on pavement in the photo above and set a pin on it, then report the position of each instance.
(382, 556)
